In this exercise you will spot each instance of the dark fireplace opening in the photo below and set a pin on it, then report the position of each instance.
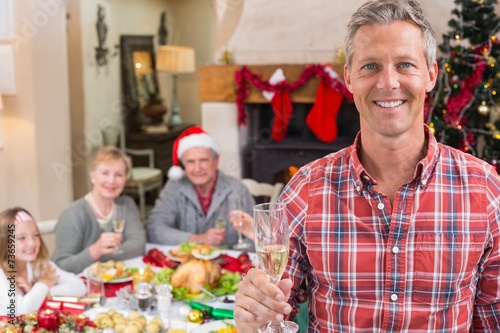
(266, 160)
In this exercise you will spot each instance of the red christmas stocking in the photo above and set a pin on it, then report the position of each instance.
(323, 115)
(282, 106)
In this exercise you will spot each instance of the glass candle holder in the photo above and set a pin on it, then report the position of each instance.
(48, 319)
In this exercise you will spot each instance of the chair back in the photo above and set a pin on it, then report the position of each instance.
(263, 192)
(114, 135)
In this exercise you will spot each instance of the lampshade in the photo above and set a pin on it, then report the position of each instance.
(175, 59)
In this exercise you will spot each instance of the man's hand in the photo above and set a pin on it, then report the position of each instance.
(213, 237)
(259, 301)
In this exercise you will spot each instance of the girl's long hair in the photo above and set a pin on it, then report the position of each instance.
(7, 237)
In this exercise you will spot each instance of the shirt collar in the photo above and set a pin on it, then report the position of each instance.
(423, 170)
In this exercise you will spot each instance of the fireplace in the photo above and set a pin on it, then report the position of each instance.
(268, 161)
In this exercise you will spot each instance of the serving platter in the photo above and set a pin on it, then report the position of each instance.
(88, 273)
(214, 254)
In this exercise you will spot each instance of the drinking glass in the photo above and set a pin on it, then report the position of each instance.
(272, 242)
(118, 224)
(220, 222)
(234, 203)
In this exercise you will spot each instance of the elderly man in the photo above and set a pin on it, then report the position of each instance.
(196, 195)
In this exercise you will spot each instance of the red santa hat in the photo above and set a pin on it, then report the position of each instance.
(190, 138)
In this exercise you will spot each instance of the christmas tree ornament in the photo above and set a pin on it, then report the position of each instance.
(431, 127)
(483, 109)
(195, 316)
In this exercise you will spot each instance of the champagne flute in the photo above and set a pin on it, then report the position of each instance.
(234, 203)
(272, 242)
(118, 224)
(220, 222)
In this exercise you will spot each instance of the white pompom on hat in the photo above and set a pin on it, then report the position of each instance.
(190, 138)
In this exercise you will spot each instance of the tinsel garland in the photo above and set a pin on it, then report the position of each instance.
(243, 76)
(457, 104)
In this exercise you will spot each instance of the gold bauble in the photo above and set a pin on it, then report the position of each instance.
(483, 109)
(195, 316)
(31, 316)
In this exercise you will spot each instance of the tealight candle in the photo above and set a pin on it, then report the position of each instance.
(48, 319)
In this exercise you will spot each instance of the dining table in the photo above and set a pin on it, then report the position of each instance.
(179, 309)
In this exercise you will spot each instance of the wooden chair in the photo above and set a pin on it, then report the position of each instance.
(142, 179)
(263, 191)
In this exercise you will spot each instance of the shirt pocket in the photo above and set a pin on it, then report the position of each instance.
(445, 266)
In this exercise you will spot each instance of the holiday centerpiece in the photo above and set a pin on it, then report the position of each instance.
(46, 321)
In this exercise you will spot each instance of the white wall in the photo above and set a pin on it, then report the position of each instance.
(284, 31)
(36, 117)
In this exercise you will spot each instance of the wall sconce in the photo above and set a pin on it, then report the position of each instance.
(101, 51)
(175, 60)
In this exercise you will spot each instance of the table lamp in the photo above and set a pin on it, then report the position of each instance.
(175, 60)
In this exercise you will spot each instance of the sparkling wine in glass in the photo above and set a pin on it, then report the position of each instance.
(272, 242)
(118, 224)
(234, 203)
(220, 222)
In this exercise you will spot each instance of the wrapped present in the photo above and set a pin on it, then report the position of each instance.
(157, 258)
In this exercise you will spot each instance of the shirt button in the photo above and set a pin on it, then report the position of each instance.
(394, 297)
(424, 182)
(380, 206)
(358, 188)
(395, 249)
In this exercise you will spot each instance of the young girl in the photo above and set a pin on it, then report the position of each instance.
(27, 276)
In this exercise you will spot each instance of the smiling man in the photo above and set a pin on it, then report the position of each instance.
(196, 195)
(396, 233)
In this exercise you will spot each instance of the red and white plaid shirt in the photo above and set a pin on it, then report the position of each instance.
(429, 263)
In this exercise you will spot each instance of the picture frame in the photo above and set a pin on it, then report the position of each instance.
(137, 57)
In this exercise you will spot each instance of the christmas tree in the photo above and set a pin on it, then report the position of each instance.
(463, 110)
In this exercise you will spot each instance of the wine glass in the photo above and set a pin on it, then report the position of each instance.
(272, 242)
(118, 225)
(234, 203)
(220, 222)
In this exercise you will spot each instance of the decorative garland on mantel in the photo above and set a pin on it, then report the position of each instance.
(243, 76)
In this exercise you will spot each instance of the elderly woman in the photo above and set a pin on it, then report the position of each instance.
(84, 232)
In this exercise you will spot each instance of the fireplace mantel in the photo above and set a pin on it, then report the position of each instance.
(216, 83)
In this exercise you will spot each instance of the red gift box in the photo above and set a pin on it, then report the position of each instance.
(241, 264)
(157, 258)
(65, 307)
